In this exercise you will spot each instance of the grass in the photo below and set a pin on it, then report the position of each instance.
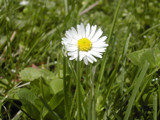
(38, 82)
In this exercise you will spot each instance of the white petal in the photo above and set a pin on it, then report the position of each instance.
(102, 39)
(96, 54)
(99, 45)
(99, 49)
(73, 42)
(65, 39)
(75, 34)
(81, 31)
(81, 55)
(72, 49)
(63, 42)
(72, 53)
(97, 35)
(87, 30)
(91, 57)
(68, 37)
(85, 60)
(73, 57)
(69, 33)
(93, 30)
(90, 60)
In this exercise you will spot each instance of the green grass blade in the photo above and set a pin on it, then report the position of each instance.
(135, 90)
(155, 106)
(65, 88)
(78, 89)
(150, 29)
(54, 115)
(92, 105)
(21, 110)
(112, 78)
(66, 6)
(105, 55)
(146, 82)
(124, 61)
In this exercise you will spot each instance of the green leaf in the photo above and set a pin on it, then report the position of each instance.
(54, 102)
(155, 106)
(30, 74)
(3, 40)
(151, 55)
(30, 102)
(138, 80)
(56, 85)
(46, 74)
(54, 114)
(157, 56)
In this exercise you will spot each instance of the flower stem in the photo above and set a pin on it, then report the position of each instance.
(92, 104)
(78, 89)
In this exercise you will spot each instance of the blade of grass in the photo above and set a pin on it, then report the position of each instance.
(72, 69)
(146, 82)
(58, 62)
(21, 109)
(65, 88)
(92, 71)
(159, 99)
(112, 78)
(78, 88)
(73, 103)
(105, 55)
(18, 115)
(54, 115)
(150, 29)
(66, 6)
(135, 89)
(155, 106)
(124, 61)
(92, 107)
(31, 49)
(9, 47)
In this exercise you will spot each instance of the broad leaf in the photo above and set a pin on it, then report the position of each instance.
(30, 74)
(56, 85)
(30, 102)
(151, 55)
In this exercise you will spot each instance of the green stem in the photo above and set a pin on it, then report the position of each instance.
(154, 106)
(138, 80)
(92, 93)
(58, 68)
(65, 88)
(103, 65)
(78, 89)
(66, 6)
(41, 88)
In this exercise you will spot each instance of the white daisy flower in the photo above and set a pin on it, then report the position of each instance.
(87, 40)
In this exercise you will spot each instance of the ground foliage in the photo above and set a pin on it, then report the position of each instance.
(32, 61)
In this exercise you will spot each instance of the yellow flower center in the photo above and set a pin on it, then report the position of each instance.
(84, 44)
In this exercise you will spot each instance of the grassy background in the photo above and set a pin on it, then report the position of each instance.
(122, 85)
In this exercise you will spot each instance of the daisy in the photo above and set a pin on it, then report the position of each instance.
(87, 40)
